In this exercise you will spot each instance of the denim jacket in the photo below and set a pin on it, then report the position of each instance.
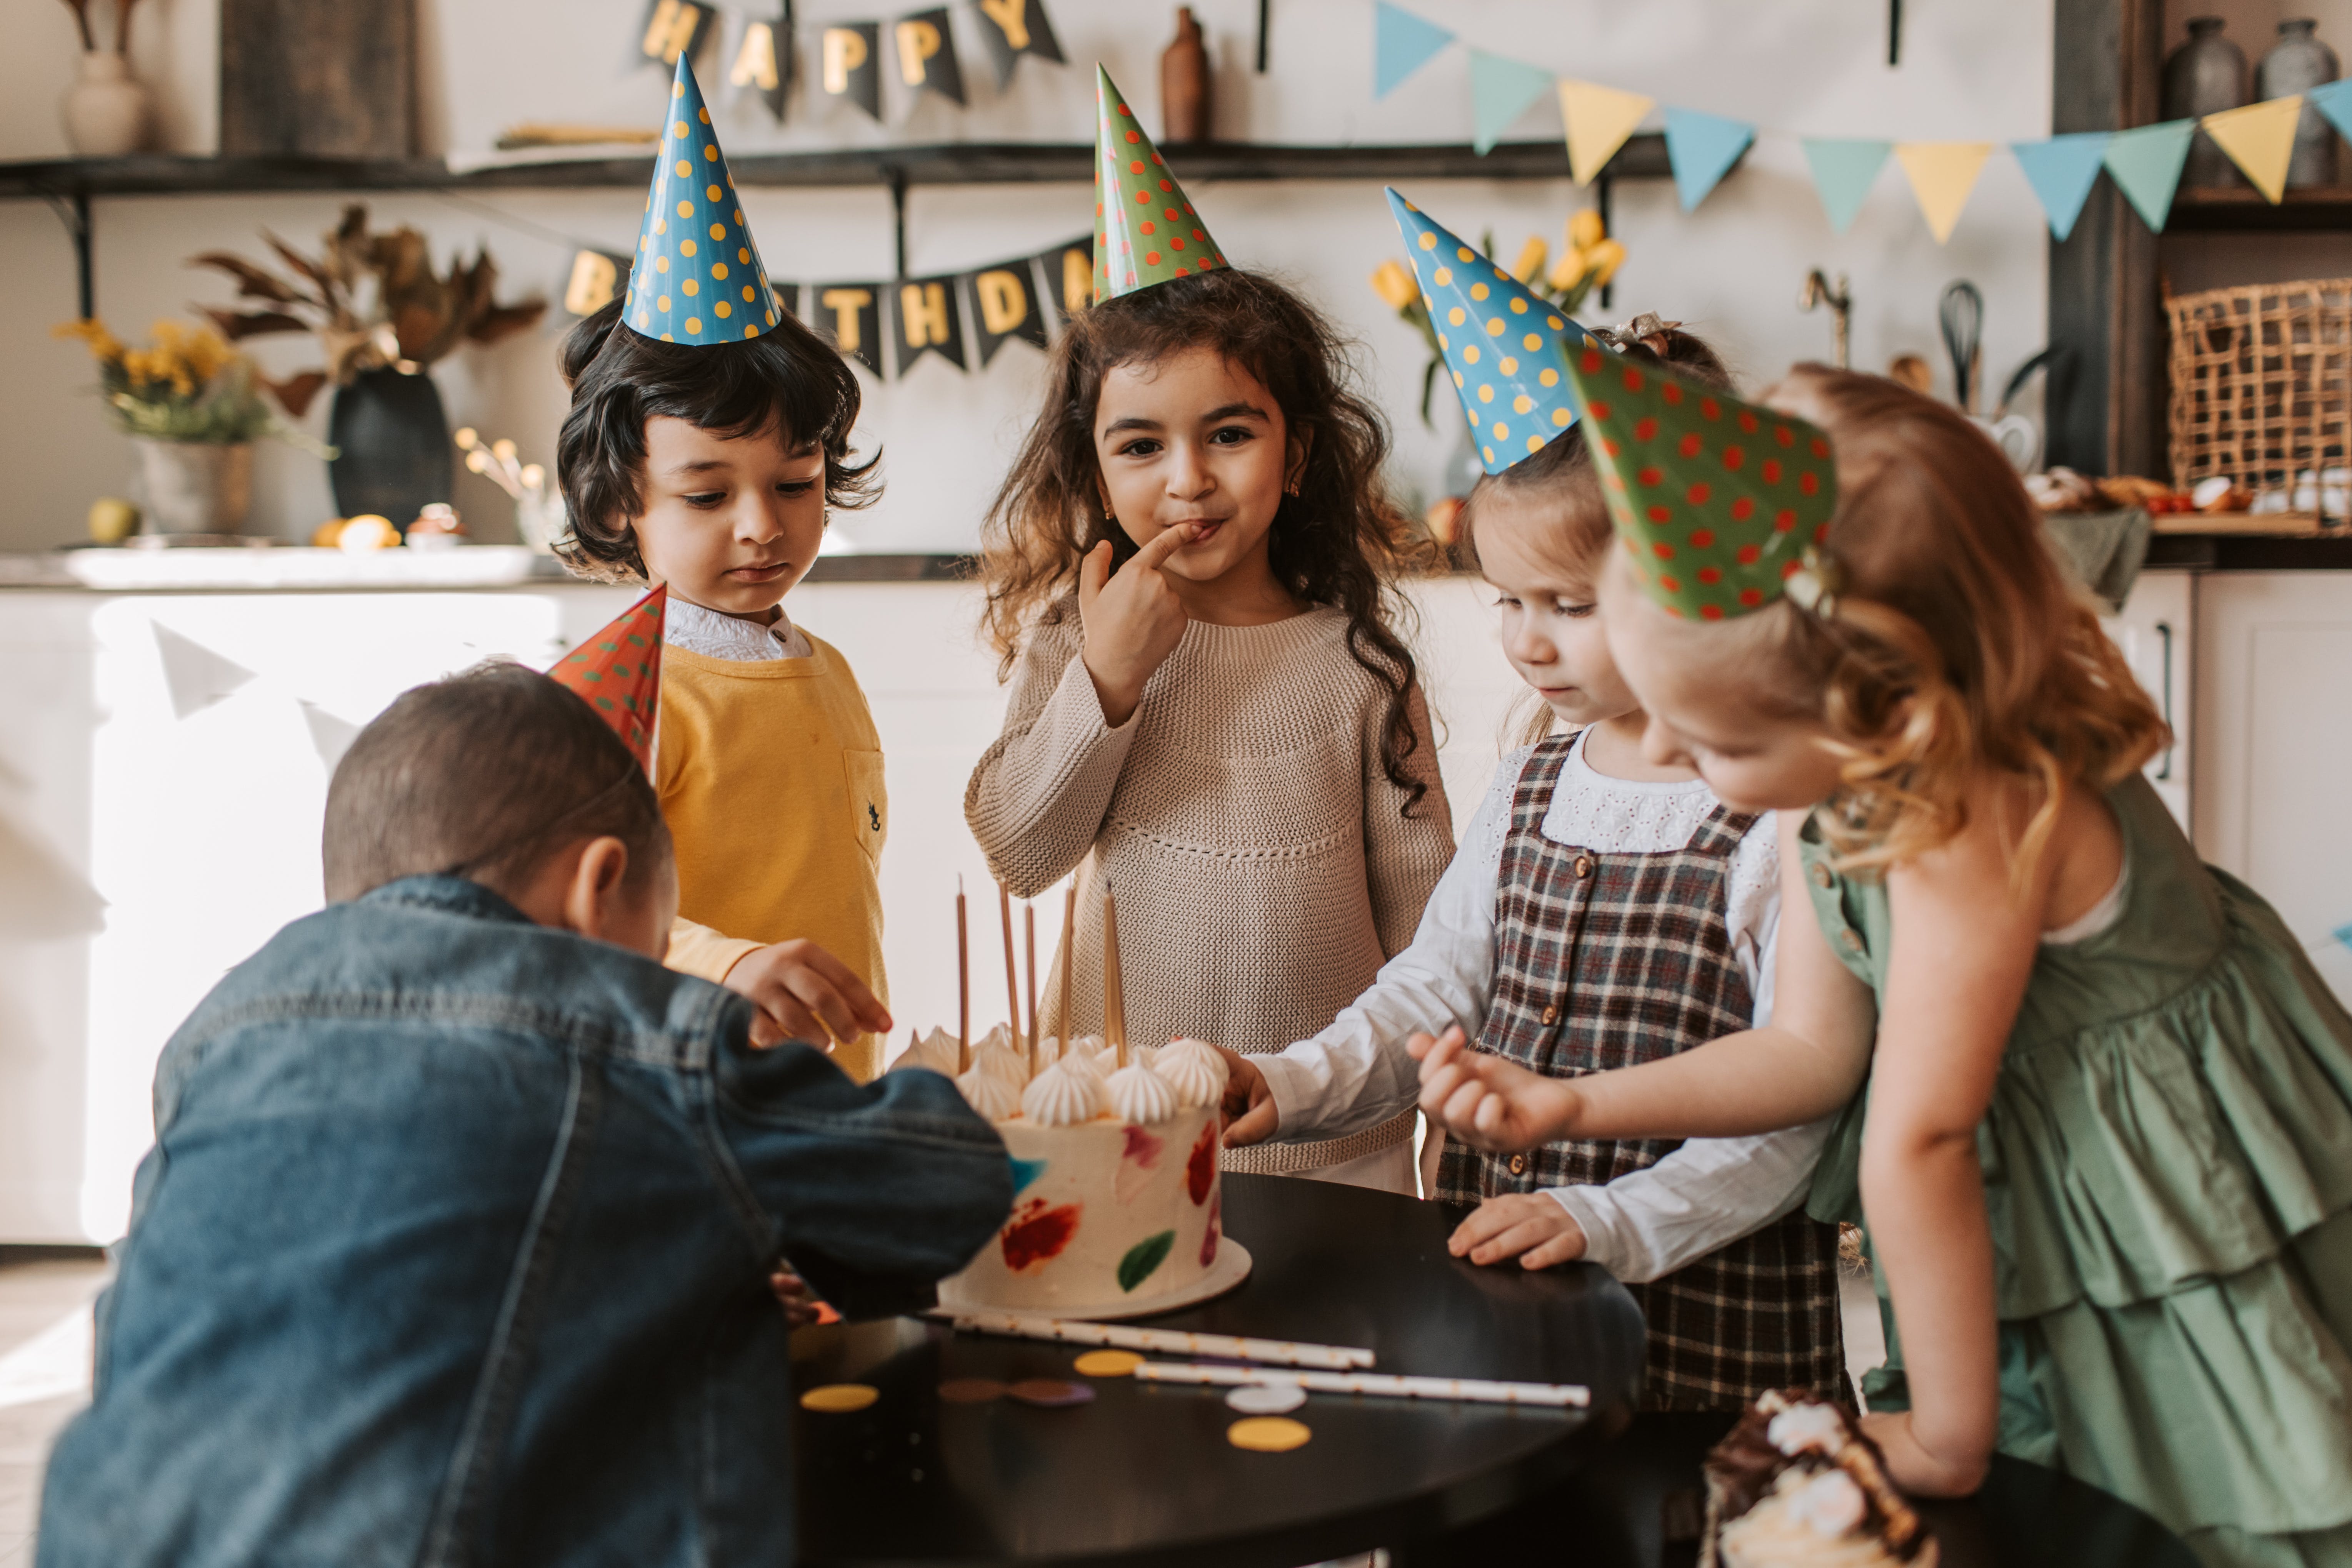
(452, 1249)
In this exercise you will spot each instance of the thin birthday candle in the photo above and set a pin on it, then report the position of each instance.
(1012, 974)
(963, 988)
(1114, 989)
(1070, 962)
(1029, 938)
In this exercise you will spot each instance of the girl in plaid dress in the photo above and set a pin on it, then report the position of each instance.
(2097, 1100)
(1601, 910)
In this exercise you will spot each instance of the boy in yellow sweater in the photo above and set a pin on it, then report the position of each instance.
(708, 442)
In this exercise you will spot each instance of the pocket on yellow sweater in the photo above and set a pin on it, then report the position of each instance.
(869, 801)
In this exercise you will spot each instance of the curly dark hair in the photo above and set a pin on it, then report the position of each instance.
(789, 379)
(1340, 540)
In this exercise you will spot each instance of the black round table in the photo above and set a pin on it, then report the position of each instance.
(1143, 1475)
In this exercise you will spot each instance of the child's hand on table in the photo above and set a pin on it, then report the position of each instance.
(1248, 1106)
(804, 993)
(793, 1293)
(1916, 1468)
(1488, 1102)
(1528, 1226)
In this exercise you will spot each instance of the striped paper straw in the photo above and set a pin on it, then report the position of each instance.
(1477, 1390)
(1282, 1353)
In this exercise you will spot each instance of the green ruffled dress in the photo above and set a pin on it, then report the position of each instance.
(2168, 1163)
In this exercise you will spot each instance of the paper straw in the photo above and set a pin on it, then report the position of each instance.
(1171, 1341)
(1471, 1389)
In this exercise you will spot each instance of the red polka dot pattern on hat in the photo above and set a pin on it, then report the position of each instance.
(1134, 194)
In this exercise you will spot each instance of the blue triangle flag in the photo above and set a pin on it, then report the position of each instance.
(2061, 172)
(2146, 164)
(2334, 100)
(1843, 172)
(1702, 148)
(1401, 44)
(1500, 91)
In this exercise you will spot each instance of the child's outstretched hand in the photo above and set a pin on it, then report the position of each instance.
(804, 993)
(1248, 1106)
(1528, 1226)
(1133, 621)
(1488, 1102)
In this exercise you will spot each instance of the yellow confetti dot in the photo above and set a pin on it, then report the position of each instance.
(747, 291)
(1502, 431)
(738, 211)
(1561, 416)
(1470, 353)
(840, 1397)
(1441, 277)
(704, 115)
(646, 318)
(661, 225)
(1488, 453)
(1463, 253)
(684, 168)
(1445, 341)
(722, 310)
(751, 332)
(1508, 366)
(1494, 328)
(1270, 1433)
(1550, 378)
(671, 338)
(1522, 403)
(678, 89)
(743, 253)
(1518, 307)
(690, 287)
(694, 323)
(771, 318)
(1479, 290)
(661, 303)
(1535, 443)
(686, 247)
(1554, 323)
(719, 269)
(686, 209)
(1429, 242)
(678, 128)
(711, 154)
(1531, 342)
(1108, 1364)
(718, 231)
(711, 193)
(661, 263)
(1456, 316)
(1485, 395)
(1457, 378)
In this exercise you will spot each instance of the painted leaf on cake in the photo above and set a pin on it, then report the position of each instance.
(1144, 1258)
(1715, 500)
(1024, 1172)
(1146, 230)
(617, 672)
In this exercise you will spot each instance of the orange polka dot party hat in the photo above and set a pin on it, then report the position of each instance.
(1506, 350)
(697, 277)
(1146, 231)
(1721, 505)
(617, 672)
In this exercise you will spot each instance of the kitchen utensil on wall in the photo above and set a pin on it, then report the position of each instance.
(1816, 293)
(2019, 438)
(2297, 63)
(2205, 76)
(1960, 312)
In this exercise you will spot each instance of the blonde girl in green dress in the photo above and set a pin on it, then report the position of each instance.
(2097, 1103)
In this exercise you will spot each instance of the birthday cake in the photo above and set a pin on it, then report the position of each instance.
(1115, 1202)
(1796, 1482)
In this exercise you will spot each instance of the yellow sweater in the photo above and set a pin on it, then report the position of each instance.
(770, 777)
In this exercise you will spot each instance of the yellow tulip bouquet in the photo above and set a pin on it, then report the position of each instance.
(185, 384)
(1589, 260)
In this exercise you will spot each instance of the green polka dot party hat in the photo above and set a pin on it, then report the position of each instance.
(1506, 350)
(1721, 505)
(697, 277)
(617, 672)
(1146, 231)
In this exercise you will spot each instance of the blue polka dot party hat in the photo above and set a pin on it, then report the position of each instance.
(1722, 505)
(697, 277)
(1507, 351)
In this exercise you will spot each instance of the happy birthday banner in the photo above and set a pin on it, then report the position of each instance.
(918, 48)
(889, 326)
(2145, 164)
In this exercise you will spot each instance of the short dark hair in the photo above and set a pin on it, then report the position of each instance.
(789, 379)
(484, 776)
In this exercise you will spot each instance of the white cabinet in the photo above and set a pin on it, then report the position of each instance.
(2156, 630)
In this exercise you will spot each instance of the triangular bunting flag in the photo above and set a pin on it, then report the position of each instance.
(1148, 231)
(2260, 139)
(2146, 165)
(1703, 148)
(1844, 169)
(2334, 100)
(1508, 350)
(1599, 119)
(1942, 175)
(2061, 172)
(195, 675)
(695, 276)
(1717, 501)
(617, 671)
(1401, 44)
(1500, 91)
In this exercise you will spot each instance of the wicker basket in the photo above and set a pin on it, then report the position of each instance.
(2262, 383)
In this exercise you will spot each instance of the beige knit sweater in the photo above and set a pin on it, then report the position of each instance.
(1263, 866)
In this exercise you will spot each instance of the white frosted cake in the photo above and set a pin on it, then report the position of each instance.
(1116, 1198)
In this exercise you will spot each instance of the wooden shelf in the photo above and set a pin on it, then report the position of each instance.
(956, 162)
(2245, 211)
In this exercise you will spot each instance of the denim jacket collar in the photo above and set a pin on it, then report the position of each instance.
(450, 895)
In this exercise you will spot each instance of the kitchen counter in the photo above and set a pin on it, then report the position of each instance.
(290, 568)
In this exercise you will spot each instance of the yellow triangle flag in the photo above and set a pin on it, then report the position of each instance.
(1599, 120)
(1942, 175)
(2260, 139)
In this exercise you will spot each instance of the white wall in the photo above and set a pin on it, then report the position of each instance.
(1732, 269)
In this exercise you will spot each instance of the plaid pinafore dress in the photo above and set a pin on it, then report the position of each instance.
(1607, 961)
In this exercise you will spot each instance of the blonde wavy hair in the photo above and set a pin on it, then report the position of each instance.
(1954, 645)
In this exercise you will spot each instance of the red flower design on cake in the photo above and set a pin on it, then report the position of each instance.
(1201, 1167)
(1039, 1233)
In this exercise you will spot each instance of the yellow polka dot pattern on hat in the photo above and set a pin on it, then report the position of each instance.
(1506, 348)
(692, 227)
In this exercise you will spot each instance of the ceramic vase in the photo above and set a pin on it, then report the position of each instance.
(1184, 83)
(2298, 63)
(196, 487)
(392, 450)
(2205, 76)
(105, 111)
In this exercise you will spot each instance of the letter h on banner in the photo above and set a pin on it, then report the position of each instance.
(929, 322)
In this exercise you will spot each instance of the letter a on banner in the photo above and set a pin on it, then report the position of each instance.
(1069, 272)
(673, 28)
(851, 315)
(1012, 28)
(929, 322)
(927, 56)
(1006, 308)
(849, 51)
(763, 61)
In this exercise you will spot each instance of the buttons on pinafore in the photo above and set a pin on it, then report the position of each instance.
(1551, 1014)
(1518, 1165)
(1583, 866)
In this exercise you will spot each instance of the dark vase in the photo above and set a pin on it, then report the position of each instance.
(2205, 76)
(392, 443)
(2298, 63)
(1184, 83)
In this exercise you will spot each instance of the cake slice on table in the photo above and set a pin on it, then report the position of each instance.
(1797, 1483)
